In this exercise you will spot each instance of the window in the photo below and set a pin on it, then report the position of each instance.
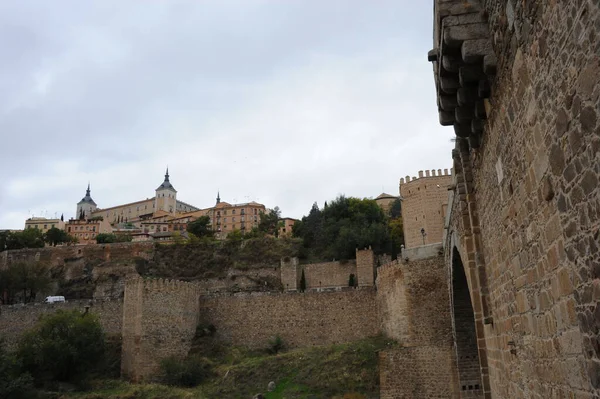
(224, 212)
(224, 220)
(94, 228)
(69, 229)
(233, 211)
(52, 225)
(233, 220)
(243, 211)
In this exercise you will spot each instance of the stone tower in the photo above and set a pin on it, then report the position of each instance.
(166, 196)
(86, 206)
(424, 203)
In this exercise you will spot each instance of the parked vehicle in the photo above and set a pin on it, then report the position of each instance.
(53, 299)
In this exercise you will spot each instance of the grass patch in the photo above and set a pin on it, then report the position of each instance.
(346, 371)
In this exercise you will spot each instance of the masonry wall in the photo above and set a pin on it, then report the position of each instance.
(16, 319)
(414, 306)
(537, 204)
(417, 372)
(301, 319)
(424, 201)
(159, 320)
(328, 274)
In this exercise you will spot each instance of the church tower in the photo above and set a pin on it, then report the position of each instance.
(166, 196)
(86, 206)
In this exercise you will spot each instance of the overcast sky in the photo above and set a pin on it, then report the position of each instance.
(282, 102)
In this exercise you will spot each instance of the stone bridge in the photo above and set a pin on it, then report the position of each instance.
(519, 83)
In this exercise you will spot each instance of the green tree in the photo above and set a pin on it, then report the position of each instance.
(106, 238)
(235, 235)
(270, 221)
(200, 227)
(344, 225)
(396, 209)
(56, 236)
(396, 236)
(24, 278)
(28, 238)
(64, 346)
(302, 282)
(14, 384)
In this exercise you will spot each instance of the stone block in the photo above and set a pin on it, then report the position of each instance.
(455, 35)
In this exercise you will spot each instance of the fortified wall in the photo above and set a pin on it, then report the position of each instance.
(159, 320)
(413, 300)
(424, 203)
(520, 84)
(15, 319)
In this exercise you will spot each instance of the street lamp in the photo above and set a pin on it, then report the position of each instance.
(423, 234)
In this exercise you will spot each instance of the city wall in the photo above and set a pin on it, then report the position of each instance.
(16, 319)
(159, 320)
(300, 319)
(413, 301)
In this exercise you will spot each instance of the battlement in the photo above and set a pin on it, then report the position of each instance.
(426, 174)
(165, 285)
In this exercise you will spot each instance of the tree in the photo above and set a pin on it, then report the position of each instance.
(56, 236)
(25, 278)
(344, 225)
(200, 227)
(64, 346)
(302, 282)
(106, 238)
(396, 209)
(13, 383)
(28, 238)
(270, 221)
(352, 280)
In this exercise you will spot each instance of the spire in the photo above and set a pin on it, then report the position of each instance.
(62, 217)
(166, 184)
(218, 197)
(88, 198)
(87, 192)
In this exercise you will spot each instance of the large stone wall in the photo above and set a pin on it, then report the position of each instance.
(528, 199)
(16, 319)
(413, 300)
(301, 319)
(417, 372)
(159, 320)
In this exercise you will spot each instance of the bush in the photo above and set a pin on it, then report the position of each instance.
(64, 346)
(13, 383)
(351, 281)
(276, 345)
(186, 373)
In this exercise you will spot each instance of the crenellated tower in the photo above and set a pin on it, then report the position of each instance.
(424, 203)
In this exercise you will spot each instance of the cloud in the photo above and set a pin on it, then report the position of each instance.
(284, 103)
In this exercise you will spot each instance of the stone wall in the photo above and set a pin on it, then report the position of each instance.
(301, 319)
(413, 299)
(417, 372)
(424, 201)
(528, 196)
(16, 319)
(159, 320)
(328, 274)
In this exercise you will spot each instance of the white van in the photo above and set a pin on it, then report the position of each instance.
(53, 299)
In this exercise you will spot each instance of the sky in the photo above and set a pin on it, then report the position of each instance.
(282, 102)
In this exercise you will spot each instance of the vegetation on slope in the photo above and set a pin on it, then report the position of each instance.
(348, 371)
(207, 258)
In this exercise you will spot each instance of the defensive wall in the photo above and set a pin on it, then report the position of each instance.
(520, 83)
(413, 303)
(300, 319)
(15, 319)
(424, 202)
(159, 320)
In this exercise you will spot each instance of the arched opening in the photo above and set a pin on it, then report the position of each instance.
(465, 336)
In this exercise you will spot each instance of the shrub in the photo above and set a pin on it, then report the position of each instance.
(276, 345)
(64, 346)
(13, 383)
(303, 282)
(186, 373)
(351, 280)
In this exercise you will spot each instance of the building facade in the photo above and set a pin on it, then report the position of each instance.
(86, 230)
(44, 224)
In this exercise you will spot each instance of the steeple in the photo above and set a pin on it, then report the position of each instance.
(218, 197)
(166, 184)
(88, 198)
